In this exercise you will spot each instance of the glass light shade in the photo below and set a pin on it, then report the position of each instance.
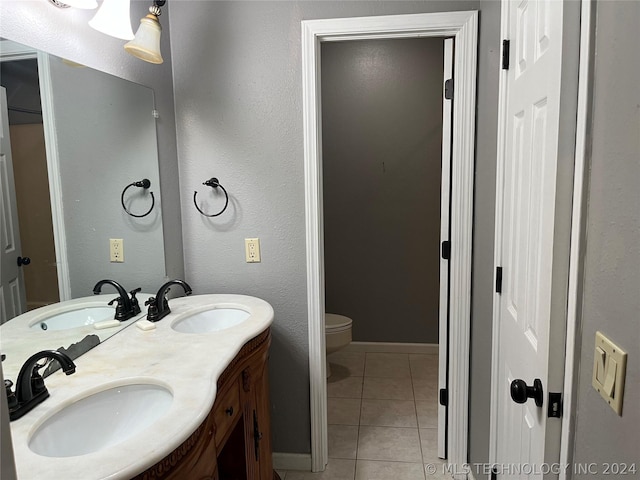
(146, 44)
(85, 4)
(114, 18)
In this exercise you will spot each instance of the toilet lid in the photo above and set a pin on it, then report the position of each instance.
(333, 321)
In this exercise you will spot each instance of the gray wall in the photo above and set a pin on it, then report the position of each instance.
(65, 33)
(611, 294)
(239, 117)
(381, 156)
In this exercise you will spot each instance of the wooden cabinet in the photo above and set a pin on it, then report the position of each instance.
(234, 442)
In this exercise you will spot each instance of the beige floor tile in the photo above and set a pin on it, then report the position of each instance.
(337, 469)
(343, 411)
(348, 387)
(387, 388)
(343, 441)
(427, 411)
(394, 365)
(424, 366)
(375, 470)
(282, 473)
(389, 444)
(347, 364)
(388, 413)
(429, 444)
(426, 390)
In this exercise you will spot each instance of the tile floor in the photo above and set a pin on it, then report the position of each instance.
(382, 415)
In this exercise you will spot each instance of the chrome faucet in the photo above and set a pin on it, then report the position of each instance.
(30, 388)
(159, 305)
(127, 307)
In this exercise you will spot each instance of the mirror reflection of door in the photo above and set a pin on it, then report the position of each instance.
(20, 78)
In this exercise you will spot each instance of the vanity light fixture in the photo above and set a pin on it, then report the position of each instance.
(146, 44)
(84, 4)
(114, 18)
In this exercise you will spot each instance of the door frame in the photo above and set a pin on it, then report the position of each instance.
(14, 51)
(463, 26)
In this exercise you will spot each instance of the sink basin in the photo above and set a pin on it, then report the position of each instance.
(101, 420)
(212, 320)
(75, 318)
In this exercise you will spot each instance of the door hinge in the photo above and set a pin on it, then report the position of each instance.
(448, 89)
(446, 249)
(505, 54)
(444, 397)
(555, 405)
(498, 279)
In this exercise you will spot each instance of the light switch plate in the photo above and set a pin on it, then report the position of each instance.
(610, 382)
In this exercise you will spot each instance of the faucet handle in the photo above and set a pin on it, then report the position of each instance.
(135, 306)
(152, 312)
(121, 313)
(12, 400)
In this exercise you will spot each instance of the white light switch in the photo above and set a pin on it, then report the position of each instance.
(600, 362)
(609, 369)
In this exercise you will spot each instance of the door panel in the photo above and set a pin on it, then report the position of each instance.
(12, 294)
(527, 236)
(445, 200)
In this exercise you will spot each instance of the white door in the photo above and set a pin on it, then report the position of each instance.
(526, 214)
(12, 294)
(445, 202)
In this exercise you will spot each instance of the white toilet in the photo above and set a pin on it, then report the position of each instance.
(337, 331)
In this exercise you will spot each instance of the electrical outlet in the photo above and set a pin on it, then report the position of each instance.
(116, 250)
(252, 250)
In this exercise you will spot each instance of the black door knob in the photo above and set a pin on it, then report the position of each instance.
(23, 261)
(520, 392)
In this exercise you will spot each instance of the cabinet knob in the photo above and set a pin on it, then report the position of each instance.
(229, 411)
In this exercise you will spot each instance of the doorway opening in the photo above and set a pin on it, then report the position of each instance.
(36, 280)
(462, 26)
(384, 105)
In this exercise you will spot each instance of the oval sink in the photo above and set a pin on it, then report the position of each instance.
(211, 320)
(101, 420)
(75, 318)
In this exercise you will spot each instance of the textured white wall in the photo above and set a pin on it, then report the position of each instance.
(238, 90)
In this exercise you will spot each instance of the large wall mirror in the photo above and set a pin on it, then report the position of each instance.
(78, 138)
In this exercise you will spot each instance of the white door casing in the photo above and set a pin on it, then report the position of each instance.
(463, 27)
(445, 201)
(12, 294)
(525, 218)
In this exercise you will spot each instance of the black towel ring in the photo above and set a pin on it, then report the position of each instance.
(213, 183)
(144, 183)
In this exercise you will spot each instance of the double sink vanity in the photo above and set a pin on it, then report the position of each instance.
(185, 397)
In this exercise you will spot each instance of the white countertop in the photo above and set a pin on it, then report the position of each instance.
(188, 364)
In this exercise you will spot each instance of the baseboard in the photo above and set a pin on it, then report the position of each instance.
(388, 347)
(292, 461)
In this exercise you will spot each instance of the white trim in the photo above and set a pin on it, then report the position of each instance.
(390, 347)
(292, 461)
(53, 170)
(464, 27)
(445, 199)
(10, 51)
(577, 230)
(494, 414)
